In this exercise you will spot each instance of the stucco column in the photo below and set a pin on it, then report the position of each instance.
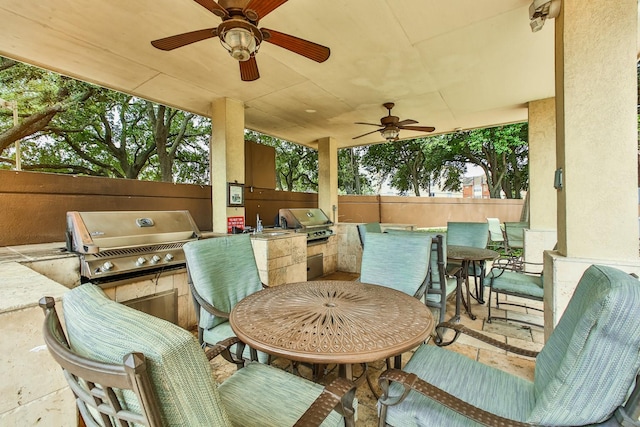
(328, 177)
(226, 158)
(541, 234)
(596, 98)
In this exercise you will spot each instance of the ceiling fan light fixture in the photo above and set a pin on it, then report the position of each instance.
(390, 134)
(240, 38)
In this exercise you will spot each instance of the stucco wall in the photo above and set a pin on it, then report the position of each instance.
(33, 205)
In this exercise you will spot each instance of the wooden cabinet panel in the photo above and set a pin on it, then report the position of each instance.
(260, 165)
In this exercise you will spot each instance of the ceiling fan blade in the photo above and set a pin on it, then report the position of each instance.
(213, 7)
(297, 45)
(371, 124)
(419, 128)
(406, 122)
(179, 40)
(249, 70)
(368, 133)
(261, 8)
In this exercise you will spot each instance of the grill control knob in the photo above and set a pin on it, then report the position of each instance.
(168, 257)
(140, 261)
(106, 266)
(154, 259)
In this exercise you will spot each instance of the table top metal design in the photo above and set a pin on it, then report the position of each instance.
(328, 322)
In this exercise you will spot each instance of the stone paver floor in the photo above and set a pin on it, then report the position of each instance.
(529, 337)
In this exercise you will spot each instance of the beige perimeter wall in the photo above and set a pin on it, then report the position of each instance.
(33, 205)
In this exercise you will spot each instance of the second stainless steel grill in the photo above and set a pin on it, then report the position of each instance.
(312, 221)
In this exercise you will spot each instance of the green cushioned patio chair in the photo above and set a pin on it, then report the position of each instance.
(583, 375)
(496, 234)
(440, 285)
(128, 368)
(371, 227)
(222, 271)
(397, 260)
(522, 280)
(514, 241)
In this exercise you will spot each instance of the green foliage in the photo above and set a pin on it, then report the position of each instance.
(67, 126)
(350, 179)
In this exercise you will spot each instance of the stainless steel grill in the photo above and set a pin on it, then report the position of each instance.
(314, 222)
(115, 245)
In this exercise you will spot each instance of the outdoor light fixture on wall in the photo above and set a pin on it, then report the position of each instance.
(541, 10)
(557, 179)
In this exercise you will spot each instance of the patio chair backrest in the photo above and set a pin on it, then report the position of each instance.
(473, 234)
(370, 227)
(397, 260)
(495, 231)
(181, 377)
(223, 271)
(589, 364)
(514, 232)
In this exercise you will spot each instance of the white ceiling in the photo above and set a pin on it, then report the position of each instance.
(449, 64)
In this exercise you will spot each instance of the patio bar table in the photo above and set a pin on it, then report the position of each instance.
(332, 322)
(468, 255)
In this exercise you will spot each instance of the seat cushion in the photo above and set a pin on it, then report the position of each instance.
(452, 283)
(589, 363)
(276, 397)
(511, 282)
(102, 329)
(480, 385)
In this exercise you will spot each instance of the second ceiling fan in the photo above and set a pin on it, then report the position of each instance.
(240, 35)
(390, 125)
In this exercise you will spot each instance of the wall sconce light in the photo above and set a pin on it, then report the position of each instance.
(557, 180)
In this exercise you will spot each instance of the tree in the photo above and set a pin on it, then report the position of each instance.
(41, 95)
(69, 126)
(404, 162)
(350, 180)
(502, 153)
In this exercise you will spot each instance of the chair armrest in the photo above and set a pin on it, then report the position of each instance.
(222, 348)
(339, 395)
(507, 264)
(412, 382)
(460, 329)
(205, 304)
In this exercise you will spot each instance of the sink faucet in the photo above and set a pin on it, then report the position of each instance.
(258, 224)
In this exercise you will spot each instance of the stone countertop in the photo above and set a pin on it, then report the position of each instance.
(22, 287)
(37, 252)
(267, 234)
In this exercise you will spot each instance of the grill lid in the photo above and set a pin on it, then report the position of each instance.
(304, 218)
(93, 232)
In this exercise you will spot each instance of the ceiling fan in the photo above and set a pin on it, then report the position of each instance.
(240, 35)
(390, 125)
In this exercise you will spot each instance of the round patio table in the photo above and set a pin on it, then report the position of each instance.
(467, 255)
(327, 322)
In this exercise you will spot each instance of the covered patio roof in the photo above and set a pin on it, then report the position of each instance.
(453, 65)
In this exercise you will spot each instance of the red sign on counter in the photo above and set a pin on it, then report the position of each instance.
(235, 221)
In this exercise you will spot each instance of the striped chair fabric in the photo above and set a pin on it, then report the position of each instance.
(223, 271)
(257, 395)
(583, 374)
(397, 260)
